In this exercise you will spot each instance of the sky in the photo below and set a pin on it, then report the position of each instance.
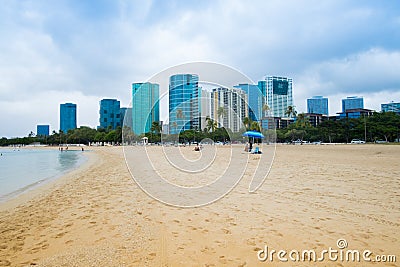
(53, 52)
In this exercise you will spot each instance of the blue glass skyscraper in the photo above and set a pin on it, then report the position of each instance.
(262, 85)
(67, 117)
(42, 130)
(145, 106)
(110, 113)
(184, 103)
(352, 102)
(255, 100)
(317, 105)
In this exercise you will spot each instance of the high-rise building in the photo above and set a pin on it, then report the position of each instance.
(126, 117)
(145, 106)
(184, 103)
(255, 98)
(262, 85)
(205, 110)
(43, 130)
(352, 102)
(391, 107)
(67, 117)
(279, 95)
(110, 115)
(317, 105)
(229, 107)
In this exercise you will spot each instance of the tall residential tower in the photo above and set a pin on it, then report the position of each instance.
(67, 117)
(110, 113)
(255, 100)
(184, 103)
(234, 107)
(278, 95)
(145, 106)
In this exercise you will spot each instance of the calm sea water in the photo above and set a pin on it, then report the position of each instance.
(23, 169)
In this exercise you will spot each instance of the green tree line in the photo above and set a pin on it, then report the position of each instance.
(380, 126)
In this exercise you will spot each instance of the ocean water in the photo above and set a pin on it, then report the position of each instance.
(23, 169)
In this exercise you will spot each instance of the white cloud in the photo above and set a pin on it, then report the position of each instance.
(365, 73)
(21, 116)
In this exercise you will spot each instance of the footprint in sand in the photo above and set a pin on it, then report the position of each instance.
(251, 242)
(59, 235)
(5, 262)
(152, 255)
(226, 231)
(222, 259)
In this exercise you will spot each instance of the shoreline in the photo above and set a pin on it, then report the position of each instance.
(40, 188)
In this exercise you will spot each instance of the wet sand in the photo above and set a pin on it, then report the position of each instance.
(314, 195)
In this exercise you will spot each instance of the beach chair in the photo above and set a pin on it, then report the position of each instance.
(256, 151)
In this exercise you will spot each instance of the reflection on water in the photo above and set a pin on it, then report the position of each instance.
(23, 169)
(67, 160)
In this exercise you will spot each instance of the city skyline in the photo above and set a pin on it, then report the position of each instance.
(72, 51)
(150, 92)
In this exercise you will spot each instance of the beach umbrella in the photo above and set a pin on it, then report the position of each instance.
(253, 134)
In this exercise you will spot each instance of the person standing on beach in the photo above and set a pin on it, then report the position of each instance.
(246, 147)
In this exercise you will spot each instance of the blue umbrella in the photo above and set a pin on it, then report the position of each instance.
(253, 134)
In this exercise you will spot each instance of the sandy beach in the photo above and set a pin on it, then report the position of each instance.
(314, 195)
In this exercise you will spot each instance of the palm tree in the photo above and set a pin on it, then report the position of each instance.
(221, 112)
(302, 123)
(155, 127)
(247, 122)
(255, 126)
(266, 109)
(291, 111)
(211, 124)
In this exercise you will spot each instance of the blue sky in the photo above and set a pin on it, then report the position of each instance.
(53, 52)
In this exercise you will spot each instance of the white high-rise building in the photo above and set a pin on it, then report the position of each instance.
(279, 95)
(205, 112)
(233, 103)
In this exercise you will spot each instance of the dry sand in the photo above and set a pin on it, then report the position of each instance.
(314, 195)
